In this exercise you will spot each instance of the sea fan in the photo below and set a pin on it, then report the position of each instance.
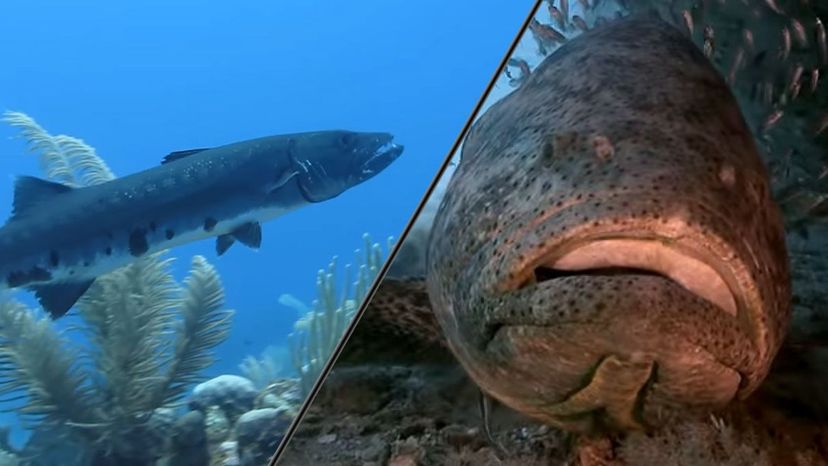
(149, 336)
(316, 335)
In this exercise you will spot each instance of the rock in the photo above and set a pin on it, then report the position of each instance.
(326, 439)
(233, 394)
(189, 441)
(259, 432)
(227, 454)
(217, 426)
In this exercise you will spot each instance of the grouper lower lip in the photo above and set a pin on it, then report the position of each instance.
(635, 254)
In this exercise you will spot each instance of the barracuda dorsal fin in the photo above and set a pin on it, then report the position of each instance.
(172, 156)
(30, 191)
(58, 299)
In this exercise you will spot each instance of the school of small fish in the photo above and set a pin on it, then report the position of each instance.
(774, 55)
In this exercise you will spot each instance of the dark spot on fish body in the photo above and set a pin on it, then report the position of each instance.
(108, 251)
(169, 234)
(152, 227)
(54, 259)
(209, 224)
(21, 278)
(138, 244)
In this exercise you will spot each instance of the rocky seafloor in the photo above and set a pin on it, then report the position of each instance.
(226, 421)
(374, 415)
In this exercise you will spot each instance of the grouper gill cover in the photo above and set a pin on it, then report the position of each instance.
(61, 238)
(608, 252)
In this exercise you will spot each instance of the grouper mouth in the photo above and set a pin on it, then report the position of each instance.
(694, 269)
(579, 266)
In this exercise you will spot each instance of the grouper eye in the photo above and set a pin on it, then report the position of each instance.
(346, 140)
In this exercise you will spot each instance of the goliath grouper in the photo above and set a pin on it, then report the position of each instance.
(608, 252)
(59, 239)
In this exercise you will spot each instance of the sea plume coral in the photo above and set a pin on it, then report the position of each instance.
(316, 335)
(148, 336)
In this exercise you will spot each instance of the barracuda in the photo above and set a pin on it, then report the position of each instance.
(59, 238)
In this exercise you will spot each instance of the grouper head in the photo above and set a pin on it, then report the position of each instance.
(608, 253)
(330, 162)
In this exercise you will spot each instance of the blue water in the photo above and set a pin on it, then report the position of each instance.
(137, 80)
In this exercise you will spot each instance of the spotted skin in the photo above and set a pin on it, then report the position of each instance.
(626, 132)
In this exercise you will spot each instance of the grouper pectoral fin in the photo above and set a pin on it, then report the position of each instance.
(30, 191)
(58, 299)
(223, 243)
(249, 234)
(172, 156)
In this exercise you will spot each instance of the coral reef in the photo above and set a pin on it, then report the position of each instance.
(317, 333)
(269, 366)
(259, 432)
(233, 394)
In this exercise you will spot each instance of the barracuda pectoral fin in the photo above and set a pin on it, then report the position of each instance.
(281, 180)
(58, 299)
(223, 243)
(248, 234)
(30, 191)
(172, 156)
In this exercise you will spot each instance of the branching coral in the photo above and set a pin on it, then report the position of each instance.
(149, 336)
(265, 369)
(316, 334)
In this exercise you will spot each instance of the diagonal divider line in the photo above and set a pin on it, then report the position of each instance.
(343, 341)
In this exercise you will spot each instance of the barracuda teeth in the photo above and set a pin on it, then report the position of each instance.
(821, 41)
(385, 148)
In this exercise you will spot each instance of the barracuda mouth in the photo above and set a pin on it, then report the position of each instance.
(693, 270)
(382, 157)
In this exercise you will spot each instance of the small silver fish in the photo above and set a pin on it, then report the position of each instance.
(772, 120)
(688, 20)
(796, 80)
(799, 33)
(814, 80)
(565, 10)
(709, 41)
(822, 125)
(768, 92)
(557, 16)
(773, 6)
(580, 23)
(786, 43)
(747, 38)
(738, 60)
(819, 31)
